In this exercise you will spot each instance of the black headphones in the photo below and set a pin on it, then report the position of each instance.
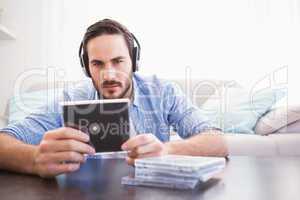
(84, 62)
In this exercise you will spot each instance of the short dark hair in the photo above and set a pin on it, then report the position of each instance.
(109, 27)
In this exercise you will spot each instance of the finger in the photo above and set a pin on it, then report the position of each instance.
(130, 161)
(137, 141)
(56, 169)
(132, 153)
(66, 133)
(61, 157)
(66, 145)
(149, 148)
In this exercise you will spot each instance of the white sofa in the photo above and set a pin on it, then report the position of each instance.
(276, 144)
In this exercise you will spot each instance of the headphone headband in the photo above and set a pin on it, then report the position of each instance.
(135, 56)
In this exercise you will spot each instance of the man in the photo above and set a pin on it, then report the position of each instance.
(40, 145)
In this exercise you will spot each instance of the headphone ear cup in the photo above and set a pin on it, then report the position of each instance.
(86, 65)
(84, 61)
(135, 59)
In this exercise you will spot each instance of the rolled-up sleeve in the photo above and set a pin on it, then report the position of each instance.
(49, 117)
(32, 128)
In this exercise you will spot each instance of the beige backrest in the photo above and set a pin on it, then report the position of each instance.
(199, 90)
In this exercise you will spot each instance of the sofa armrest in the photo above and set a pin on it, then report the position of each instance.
(277, 144)
(250, 145)
(288, 144)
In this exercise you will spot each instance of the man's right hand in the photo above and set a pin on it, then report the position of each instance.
(61, 151)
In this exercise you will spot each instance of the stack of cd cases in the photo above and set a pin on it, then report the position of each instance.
(174, 171)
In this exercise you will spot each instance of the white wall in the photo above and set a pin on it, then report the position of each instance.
(24, 19)
(37, 27)
(234, 39)
(243, 40)
(235, 34)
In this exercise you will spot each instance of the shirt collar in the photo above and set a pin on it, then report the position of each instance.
(136, 92)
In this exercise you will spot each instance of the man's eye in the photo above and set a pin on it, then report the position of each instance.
(96, 64)
(119, 61)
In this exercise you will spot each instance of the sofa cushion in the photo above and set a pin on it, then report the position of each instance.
(238, 109)
(293, 127)
(281, 118)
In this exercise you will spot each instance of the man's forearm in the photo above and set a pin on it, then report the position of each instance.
(206, 144)
(15, 155)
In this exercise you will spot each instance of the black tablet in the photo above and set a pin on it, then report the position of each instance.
(106, 121)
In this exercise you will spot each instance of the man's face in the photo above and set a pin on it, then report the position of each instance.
(110, 65)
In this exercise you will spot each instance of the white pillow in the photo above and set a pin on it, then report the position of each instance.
(279, 117)
(237, 110)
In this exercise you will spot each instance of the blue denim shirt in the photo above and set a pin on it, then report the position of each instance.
(157, 108)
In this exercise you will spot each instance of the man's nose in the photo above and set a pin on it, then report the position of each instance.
(109, 73)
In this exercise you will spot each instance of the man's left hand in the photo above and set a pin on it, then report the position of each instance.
(142, 146)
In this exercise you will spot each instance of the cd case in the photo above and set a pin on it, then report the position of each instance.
(159, 182)
(183, 163)
(174, 171)
(106, 121)
(202, 175)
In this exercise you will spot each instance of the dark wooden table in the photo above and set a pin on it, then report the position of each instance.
(244, 178)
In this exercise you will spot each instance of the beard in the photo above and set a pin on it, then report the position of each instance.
(127, 91)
